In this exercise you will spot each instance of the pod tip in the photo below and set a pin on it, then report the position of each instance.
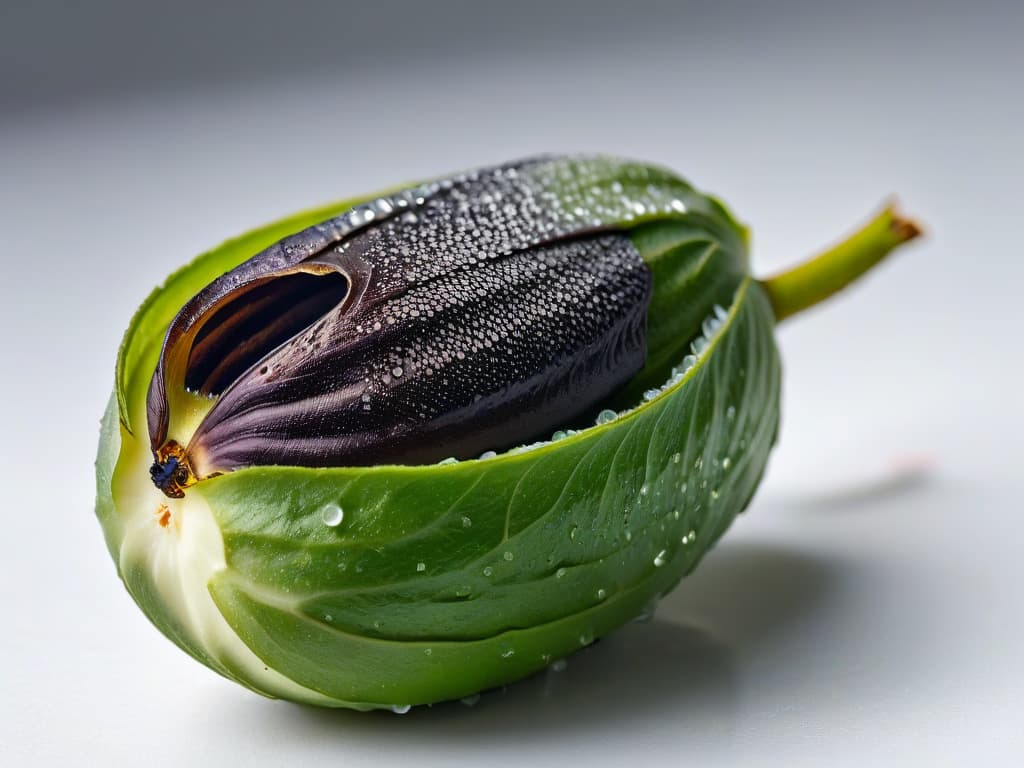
(903, 228)
(815, 280)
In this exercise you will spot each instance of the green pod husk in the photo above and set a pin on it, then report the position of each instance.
(443, 580)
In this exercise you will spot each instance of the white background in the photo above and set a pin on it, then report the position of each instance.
(867, 609)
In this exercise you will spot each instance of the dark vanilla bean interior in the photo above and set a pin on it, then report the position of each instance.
(252, 322)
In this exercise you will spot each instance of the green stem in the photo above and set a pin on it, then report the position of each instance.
(815, 280)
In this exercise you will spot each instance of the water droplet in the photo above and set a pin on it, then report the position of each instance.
(647, 613)
(675, 514)
(382, 205)
(601, 594)
(726, 462)
(629, 535)
(470, 701)
(332, 515)
(449, 460)
(467, 521)
(428, 651)
(659, 559)
(730, 412)
(328, 618)
(676, 458)
(397, 371)
(508, 653)
(559, 665)
(714, 494)
(586, 637)
(559, 435)
(400, 709)
(720, 313)
(644, 489)
(421, 567)
(606, 416)
(508, 555)
(488, 455)
(463, 591)
(560, 573)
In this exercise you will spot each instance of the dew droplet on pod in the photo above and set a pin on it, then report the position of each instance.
(332, 515)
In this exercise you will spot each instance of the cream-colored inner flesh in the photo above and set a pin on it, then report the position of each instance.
(178, 542)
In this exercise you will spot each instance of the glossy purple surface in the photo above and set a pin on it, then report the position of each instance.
(475, 316)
